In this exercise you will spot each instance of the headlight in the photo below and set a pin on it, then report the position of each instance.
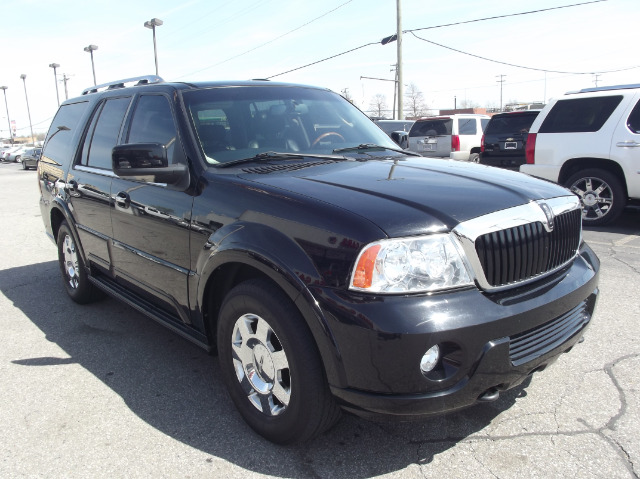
(427, 263)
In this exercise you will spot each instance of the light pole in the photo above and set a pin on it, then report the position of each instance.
(24, 80)
(90, 49)
(4, 88)
(55, 79)
(152, 24)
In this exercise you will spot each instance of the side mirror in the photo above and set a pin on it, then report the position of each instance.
(401, 138)
(148, 160)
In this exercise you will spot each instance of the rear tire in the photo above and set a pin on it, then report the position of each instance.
(271, 365)
(601, 194)
(73, 270)
(474, 158)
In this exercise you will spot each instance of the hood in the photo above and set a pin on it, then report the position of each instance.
(411, 196)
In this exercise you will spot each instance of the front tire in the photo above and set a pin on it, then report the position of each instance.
(271, 366)
(72, 267)
(601, 195)
(24, 165)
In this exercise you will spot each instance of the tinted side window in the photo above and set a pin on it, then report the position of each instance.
(153, 123)
(580, 114)
(103, 133)
(59, 145)
(633, 122)
(467, 126)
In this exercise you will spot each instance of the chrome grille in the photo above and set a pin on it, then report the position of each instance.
(529, 345)
(522, 252)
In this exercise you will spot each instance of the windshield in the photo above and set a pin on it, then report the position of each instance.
(233, 123)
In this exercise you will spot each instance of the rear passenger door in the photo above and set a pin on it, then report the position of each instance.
(89, 180)
(150, 221)
(625, 147)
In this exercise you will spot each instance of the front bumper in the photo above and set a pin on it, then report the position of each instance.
(491, 343)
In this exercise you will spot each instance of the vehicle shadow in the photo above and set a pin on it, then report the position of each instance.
(627, 223)
(176, 388)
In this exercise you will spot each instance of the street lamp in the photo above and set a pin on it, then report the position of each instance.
(24, 80)
(55, 79)
(90, 49)
(4, 88)
(152, 24)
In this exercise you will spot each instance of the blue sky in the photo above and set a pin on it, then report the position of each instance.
(242, 39)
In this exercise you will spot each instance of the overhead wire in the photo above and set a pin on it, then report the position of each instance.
(522, 66)
(496, 17)
(270, 41)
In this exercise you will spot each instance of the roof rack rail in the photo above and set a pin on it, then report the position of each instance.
(604, 88)
(141, 80)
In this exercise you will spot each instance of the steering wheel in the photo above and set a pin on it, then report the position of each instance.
(324, 135)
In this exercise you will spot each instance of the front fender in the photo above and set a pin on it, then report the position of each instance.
(282, 260)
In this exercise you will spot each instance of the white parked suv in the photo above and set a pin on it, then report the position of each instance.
(452, 136)
(589, 141)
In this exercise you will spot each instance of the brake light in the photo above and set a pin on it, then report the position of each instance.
(455, 143)
(482, 144)
(530, 148)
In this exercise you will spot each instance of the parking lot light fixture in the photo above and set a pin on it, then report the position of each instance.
(24, 80)
(55, 79)
(152, 24)
(91, 49)
(4, 89)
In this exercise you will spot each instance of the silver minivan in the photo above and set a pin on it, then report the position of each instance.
(452, 136)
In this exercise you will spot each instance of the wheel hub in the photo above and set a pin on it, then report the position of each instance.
(590, 199)
(263, 365)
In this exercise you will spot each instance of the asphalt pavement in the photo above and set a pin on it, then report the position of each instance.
(101, 391)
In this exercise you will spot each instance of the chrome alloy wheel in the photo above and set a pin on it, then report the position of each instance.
(70, 261)
(596, 197)
(261, 365)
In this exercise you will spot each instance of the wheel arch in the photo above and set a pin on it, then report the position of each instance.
(238, 260)
(576, 164)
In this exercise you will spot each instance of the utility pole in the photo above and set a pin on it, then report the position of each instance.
(394, 68)
(596, 79)
(399, 64)
(501, 81)
(65, 78)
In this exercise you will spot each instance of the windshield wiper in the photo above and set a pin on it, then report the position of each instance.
(373, 147)
(275, 155)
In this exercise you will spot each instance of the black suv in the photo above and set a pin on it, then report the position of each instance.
(505, 139)
(278, 226)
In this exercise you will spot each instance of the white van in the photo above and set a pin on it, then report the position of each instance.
(453, 136)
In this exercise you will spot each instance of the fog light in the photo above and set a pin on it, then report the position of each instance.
(430, 359)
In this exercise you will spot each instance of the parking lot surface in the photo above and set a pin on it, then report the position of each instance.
(101, 391)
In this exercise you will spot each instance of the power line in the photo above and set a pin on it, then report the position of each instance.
(521, 66)
(503, 16)
(323, 60)
(392, 38)
(270, 41)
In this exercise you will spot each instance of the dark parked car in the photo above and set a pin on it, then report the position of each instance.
(505, 139)
(278, 226)
(30, 158)
(398, 130)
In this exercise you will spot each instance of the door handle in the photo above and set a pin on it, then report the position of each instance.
(628, 144)
(123, 200)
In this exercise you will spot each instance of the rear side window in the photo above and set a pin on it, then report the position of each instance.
(467, 126)
(633, 123)
(432, 127)
(580, 114)
(59, 145)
